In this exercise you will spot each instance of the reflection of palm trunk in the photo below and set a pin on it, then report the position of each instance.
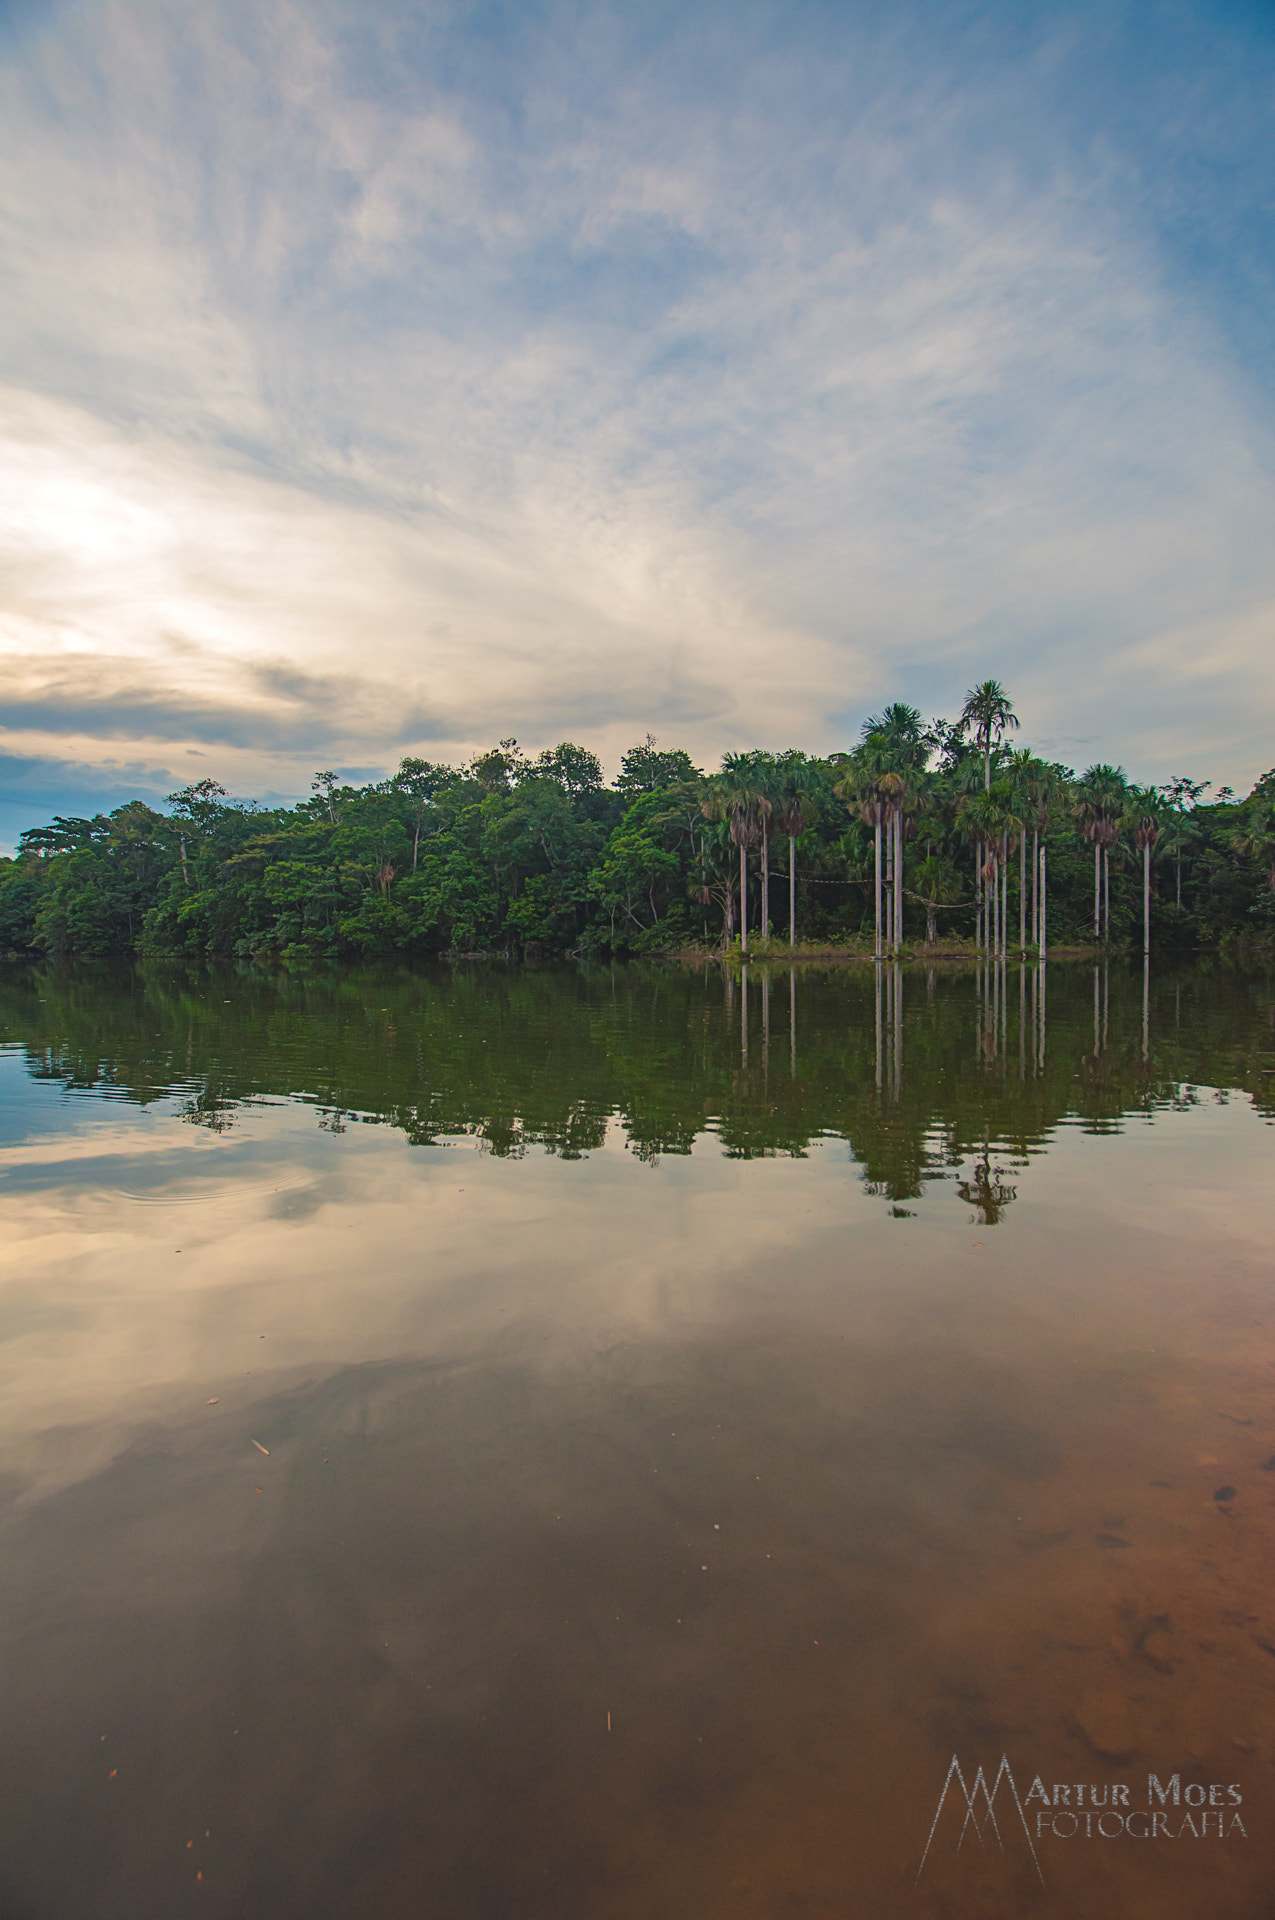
(1095, 1013)
(743, 1016)
(1146, 1005)
(792, 1021)
(765, 1023)
(898, 1031)
(877, 976)
(1022, 1013)
(1043, 977)
(1106, 1000)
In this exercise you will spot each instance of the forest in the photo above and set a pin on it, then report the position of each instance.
(944, 837)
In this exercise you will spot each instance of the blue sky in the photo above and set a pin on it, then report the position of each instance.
(385, 379)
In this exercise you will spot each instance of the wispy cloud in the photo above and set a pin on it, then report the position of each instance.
(382, 380)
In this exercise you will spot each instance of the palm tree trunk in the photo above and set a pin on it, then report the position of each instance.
(1004, 927)
(765, 883)
(1041, 941)
(1106, 893)
(1178, 864)
(1022, 893)
(978, 895)
(743, 901)
(792, 889)
(898, 881)
(1035, 886)
(1146, 898)
(876, 849)
(1097, 891)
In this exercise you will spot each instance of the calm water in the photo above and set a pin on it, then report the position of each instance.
(594, 1446)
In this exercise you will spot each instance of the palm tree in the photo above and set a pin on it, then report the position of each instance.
(1102, 798)
(792, 812)
(992, 821)
(988, 712)
(1033, 782)
(765, 784)
(858, 787)
(1146, 833)
(735, 796)
(964, 779)
(895, 794)
(895, 750)
(1179, 832)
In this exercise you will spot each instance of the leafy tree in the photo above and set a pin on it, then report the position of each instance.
(649, 767)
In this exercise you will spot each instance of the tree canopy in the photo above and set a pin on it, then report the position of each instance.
(536, 854)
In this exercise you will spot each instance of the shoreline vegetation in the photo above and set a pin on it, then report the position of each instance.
(928, 842)
(778, 952)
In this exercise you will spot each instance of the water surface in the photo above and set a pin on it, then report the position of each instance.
(597, 1444)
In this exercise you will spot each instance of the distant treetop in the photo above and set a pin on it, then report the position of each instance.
(648, 767)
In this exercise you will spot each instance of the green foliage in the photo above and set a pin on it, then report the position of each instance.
(516, 854)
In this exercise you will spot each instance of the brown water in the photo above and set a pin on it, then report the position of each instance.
(596, 1446)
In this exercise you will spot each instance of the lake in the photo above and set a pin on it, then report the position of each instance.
(631, 1444)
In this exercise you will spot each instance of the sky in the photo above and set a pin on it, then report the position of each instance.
(381, 379)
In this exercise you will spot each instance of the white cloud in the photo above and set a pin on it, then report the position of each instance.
(714, 398)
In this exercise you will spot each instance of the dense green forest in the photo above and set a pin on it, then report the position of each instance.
(945, 835)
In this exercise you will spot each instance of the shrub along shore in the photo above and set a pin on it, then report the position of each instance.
(942, 839)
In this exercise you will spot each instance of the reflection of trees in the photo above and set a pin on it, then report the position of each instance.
(210, 1107)
(986, 1192)
(521, 1060)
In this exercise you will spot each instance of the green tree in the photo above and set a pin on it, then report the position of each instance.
(989, 714)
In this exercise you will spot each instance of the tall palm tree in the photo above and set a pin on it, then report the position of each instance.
(1102, 799)
(735, 796)
(1033, 783)
(793, 807)
(964, 779)
(765, 795)
(1146, 833)
(895, 792)
(993, 820)
(989, 715)
(894, 752)
(858, 787)
(1178, 831)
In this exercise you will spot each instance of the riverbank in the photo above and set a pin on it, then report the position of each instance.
(778, 952)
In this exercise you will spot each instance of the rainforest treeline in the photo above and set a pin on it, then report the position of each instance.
(920, 836)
